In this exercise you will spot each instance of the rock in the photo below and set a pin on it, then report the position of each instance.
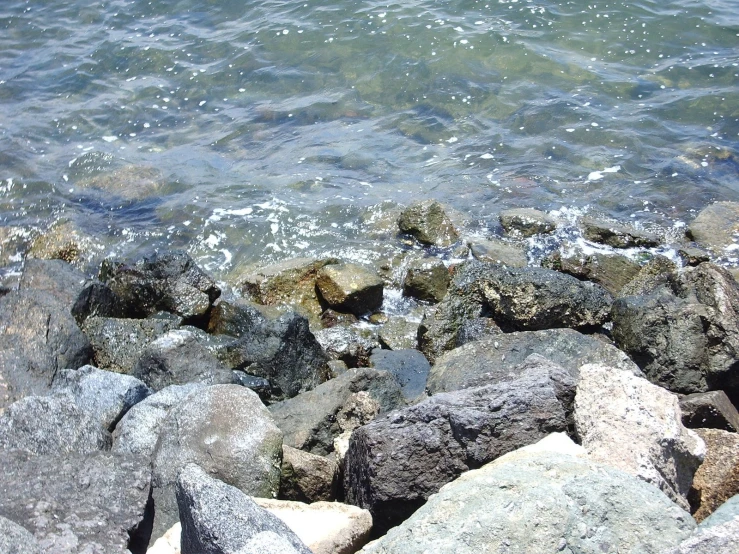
(654, 274)
(15, 539)
(350, 288)
(527, 222)
(352, 345)
(616, 234)
(332, 318)
(395, 463)
(499, 252)
(685, 335)
(219, 518)
(306, 477)
(97, 503)
(426, 279)
(96, 299)
(58, 278)
(540, 500)
(399, 333)
(178, 358)
(278, 347)
(170, 281)
(629, 423)
(51, 424)
(118, 343)
(428, 223)
(14, 243)
(409, 367)
(137, 432)
(104, 395)
(728, 511)
(717, 479)
(68, 242)
(227, 431)
(711, 410)
(719, 539)
(716, 226)
(692, 256)
(312, 420)
(495, 358)
(129, 183)
(611, 271)
(260, 385)
(336, 368)
(324, 527)
(169, 543)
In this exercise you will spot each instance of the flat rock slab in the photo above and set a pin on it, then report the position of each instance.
(616, 234)
(499, 252)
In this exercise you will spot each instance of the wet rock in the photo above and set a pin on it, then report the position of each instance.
(409, 367)
(656, 273)
(312, 420)
(692, 256)
(96, 503)
(14, 242)
(349, 287)
(170, 281)
(534, 500)
(616, 234)
(118, 343)
(351, 345)
(395, 463)
(226, 430)
(306, 477)
(15, 539)
(716, 227)
(711, 410)
(428, 223)
(219, 518)
(96, 300)
(629, 423)
(332, 318)
(130, 183)
(399, 333)
(178, 358)
(611, 272)
(527, 222)
(66, 241)
(324, 527)
(717, 479)
(426, 279)
(499, 252)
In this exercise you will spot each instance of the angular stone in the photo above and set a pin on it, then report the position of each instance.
(693, 256)
(611, 271)
(629, 423)
(428, 223)
(717, 479)
(169, 543)
(426, 279)
(499, 252)
(399, 333)
(15, 539)
(352, 345)
(527, 222)
(719, 539)
(58, 278)
(728, 511)
(716, 227)
(306, 477)
(616, 234)
(656, 273)
(409, 367)
(711, 410)
(350, 287)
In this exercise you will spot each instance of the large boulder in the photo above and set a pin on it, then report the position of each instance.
(306, 477)
(717, 479)
(97, 503)
(715, 227)
(717, 539)
(537, 500)
(611, 271)
(226, 430)
(312, 420)
(350, 288)
(428, 223)
(63, 281)
(629, 423)
(220, 519)
(395, 463)
(712, 410)
(15, 539)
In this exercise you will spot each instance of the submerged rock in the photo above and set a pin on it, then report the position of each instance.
(428, 223)
(66, 241)
(716, 227)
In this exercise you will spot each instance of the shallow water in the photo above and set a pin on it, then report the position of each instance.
(252, 132)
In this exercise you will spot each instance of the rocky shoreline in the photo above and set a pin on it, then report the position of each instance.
(586, 405)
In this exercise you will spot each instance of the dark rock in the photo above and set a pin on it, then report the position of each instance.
(170, 281)
(409, 367)
(717, 479)
(715, 227)
(352, 345)
(349, 288)
(499, 252)
(427, 279)
(96, 300)
(227, 431)
(306, 477)
(656, 273)
(221, 519)
(616, 234)
(527, 222)
(693, 256)
(428, 223)
(610, 271)
(56, 277)
(312, 420)
(332, 318)
(711, 410)
(260, 385)
(15, 539)
(97, 503)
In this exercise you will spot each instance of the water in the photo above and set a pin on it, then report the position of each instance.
(249, 132)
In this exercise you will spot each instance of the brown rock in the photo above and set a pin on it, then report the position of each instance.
(428, 223)
(427, 279)
(611, 272)
(716, 226)
(717, 479)
(349, 287)
(307, 477)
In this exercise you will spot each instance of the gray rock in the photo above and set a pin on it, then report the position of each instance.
(611, 271)
(170, 281)
(97, 503)
(15, 539)
(496, 358)
(409, 367)
(306, 477)
(118, 343)
(499, 252)
(63, 281)
(312, 420)
(399, 333)
(52, 424)
(218, 518)
(535, 501)
(527, 222)
(728, 511)
(137, 432)
(350, 288)
(352, 345)
(178, 358)
(715, 227)
(709, 410)
(428, 223)
(227, 431)
(656, 273)
(717, 479)
(395, 463)
(426, 279)
(718, 539)
(616, 234)
(104, 395)
(692, 256)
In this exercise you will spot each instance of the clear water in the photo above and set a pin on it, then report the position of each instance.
(248, 132)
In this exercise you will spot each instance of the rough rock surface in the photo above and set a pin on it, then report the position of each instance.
(499, 252)
(399, 333)
(306, 477)
(96, 504)
(616, 234)
(656, 273)
(726, 512)
(428, 223)
(395, 463)
(495, 358)
(169, 543)
(537, 501)
(227, 431)
(220, 519)
(56, 277)
(409, 367)
(352, 345)
(96, 300)
(350, 287)
(312, 420)
(426, 279)
(717, 479)
(527, 222)
(611, 271)
(65, 240)
(629, 423)
(711, 410)
(716, 226)
(718, 539)
(15, 539)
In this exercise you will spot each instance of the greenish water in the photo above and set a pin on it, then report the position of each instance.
(248, 132)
